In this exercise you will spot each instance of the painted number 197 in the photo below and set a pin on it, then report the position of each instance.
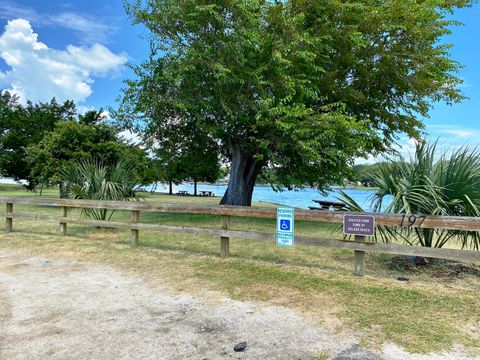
(412, 220)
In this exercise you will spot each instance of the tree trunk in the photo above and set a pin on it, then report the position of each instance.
(195, 187)
(170, 187)
(154, 188)
(243, 175)
(63, 191)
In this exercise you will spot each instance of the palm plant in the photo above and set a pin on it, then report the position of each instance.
(432, 182)
(94, 180)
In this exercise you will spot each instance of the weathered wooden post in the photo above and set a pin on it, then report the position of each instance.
(8, 218)
(359, 261)
(63, 225)
(134, 232)
(225, 241)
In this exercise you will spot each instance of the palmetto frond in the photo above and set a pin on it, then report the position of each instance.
(94, 180)
(432, 182)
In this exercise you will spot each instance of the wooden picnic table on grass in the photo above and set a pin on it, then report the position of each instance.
(206, 193)
(325, 205)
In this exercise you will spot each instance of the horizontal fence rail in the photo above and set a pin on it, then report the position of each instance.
(425, 221)
(360, 246)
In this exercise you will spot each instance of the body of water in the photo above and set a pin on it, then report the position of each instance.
(301, 198)
(4, 180)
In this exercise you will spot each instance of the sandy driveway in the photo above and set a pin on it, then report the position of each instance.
(65, 310)
(57, 309)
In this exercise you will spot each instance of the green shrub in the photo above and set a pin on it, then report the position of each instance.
(432, 182)
(93, 180)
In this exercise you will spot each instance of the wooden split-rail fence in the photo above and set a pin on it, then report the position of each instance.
(225, 232)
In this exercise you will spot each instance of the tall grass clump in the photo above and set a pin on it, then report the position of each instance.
(431, 182)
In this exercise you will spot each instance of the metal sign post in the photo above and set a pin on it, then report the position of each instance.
(285, 226)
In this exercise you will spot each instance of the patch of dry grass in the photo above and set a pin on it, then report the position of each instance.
(423, 315)
(429, 313)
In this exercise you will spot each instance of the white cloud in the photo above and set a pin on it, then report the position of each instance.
(83, 109)
(453, 131)
(97, 59)
(130, 137)
(88, 29)
(39, 73)
(453, 134)
(459, 133)
(404, 147)
(9, 10)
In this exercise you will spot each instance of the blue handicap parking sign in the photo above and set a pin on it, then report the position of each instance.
(285, 225)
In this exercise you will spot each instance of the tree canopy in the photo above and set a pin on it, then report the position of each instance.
(71, 141)
(364, 173)
(297, 87)
(21, 126)
(187, 154)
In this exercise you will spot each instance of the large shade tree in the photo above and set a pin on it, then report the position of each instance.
(298, 87)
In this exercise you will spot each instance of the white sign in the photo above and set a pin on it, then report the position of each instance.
(285, 226)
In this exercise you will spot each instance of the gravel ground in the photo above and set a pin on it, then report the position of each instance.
(57, 309)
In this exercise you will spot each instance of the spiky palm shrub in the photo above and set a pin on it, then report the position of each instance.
(433, 182)
(458, 181)
(94, 180)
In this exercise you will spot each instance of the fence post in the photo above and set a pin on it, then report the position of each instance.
(8, 218)
(63, 225)
(359, 261)
(134, 232)
(225, 241)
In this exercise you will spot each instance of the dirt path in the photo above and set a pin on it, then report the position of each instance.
(65, 310)
(57, 309)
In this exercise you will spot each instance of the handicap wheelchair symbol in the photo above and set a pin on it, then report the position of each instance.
(285, 225)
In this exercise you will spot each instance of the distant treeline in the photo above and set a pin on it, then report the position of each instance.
(364, 173)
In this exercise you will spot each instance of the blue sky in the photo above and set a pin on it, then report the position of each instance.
(85, 44)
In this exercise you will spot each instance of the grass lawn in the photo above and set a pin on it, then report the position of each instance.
(432, 312)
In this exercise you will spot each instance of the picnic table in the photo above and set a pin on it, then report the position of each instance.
(183, 193)
(325, 205)
(206, 193)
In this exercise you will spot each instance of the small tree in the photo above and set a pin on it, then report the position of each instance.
(199, 160)
(71, 141)
(186, 154)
